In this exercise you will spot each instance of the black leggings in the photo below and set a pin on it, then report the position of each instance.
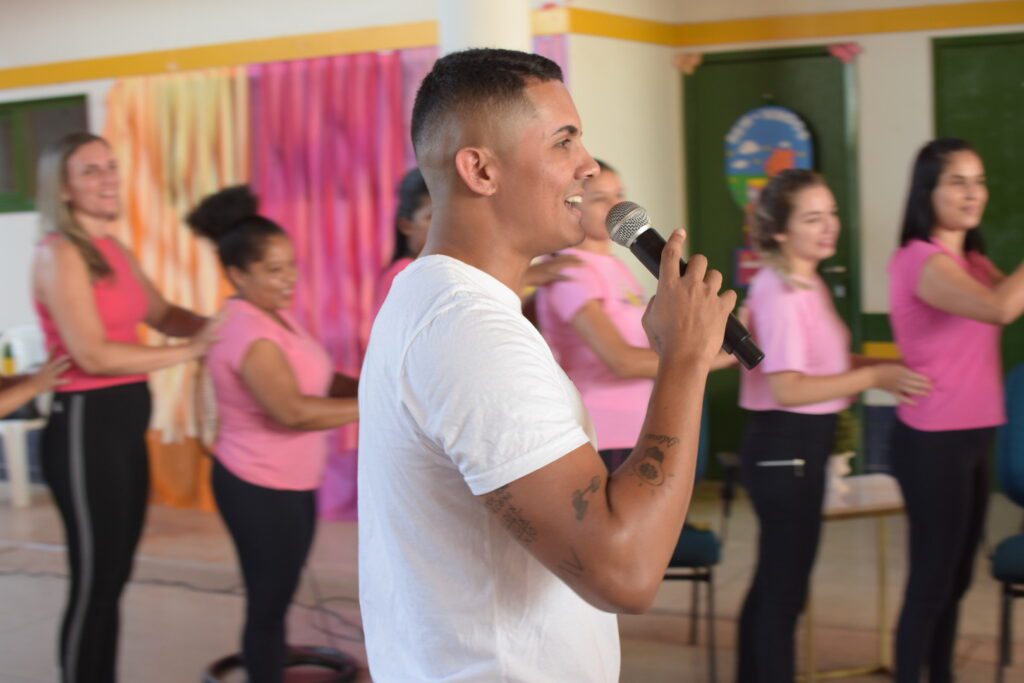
(95, 461)
(787, 499)
(273, 531)
(944, 478)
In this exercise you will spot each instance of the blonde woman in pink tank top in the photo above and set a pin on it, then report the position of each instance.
(948, 305)
(91, 296)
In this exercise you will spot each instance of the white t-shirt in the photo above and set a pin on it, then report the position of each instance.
(458, 396)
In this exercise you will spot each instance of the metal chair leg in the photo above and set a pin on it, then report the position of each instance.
(712, 673)
(1004, 633)
(694, 602)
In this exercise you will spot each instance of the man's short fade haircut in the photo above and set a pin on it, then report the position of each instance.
(464, 82)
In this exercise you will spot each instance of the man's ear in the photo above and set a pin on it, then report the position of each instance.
(478, 170)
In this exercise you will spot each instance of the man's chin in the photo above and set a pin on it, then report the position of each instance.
(577, 237)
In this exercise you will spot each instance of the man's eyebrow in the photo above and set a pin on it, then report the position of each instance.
(567, 128)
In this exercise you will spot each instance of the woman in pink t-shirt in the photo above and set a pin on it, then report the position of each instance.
(807, 376)
(91, 298)
(276, 393)
(591, 318)
(948, 306)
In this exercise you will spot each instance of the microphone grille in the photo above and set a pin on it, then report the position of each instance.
(624, 221)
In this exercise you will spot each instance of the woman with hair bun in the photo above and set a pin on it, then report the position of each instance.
(276, 393)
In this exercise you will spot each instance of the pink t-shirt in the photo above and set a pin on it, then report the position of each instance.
(797, 327)
(617, 406)
(122, 304)
(960, 356)
(386, 280)
(249, 442)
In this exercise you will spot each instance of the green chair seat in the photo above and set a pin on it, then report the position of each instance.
(696, 548)
(1008, 560)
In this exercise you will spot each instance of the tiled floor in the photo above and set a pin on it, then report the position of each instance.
(183, 608)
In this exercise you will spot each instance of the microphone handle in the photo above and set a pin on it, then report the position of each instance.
(647, 247)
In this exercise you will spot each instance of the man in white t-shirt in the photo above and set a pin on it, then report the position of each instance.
(493, 545)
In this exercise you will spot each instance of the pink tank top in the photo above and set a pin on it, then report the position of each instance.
(122, 304)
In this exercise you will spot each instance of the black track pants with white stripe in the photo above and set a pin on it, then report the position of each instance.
(95, 462)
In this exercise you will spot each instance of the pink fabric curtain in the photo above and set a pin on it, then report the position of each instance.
(555, 48)
(329, 144)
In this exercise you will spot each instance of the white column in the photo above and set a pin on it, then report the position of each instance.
(485, 23)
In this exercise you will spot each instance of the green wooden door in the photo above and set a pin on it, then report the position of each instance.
(818, 88)
(979, 96)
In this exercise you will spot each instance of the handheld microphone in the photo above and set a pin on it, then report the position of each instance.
(629, 225)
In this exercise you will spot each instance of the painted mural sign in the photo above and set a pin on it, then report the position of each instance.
(762, 143)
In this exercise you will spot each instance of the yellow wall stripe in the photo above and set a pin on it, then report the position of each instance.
(350, 41)
(553, 21)
(925, 18)
(592, 23)
(886, 350)
(800, 26)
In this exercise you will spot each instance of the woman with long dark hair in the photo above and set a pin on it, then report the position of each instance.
(276, 392)
(91, 296)
(412, 220)
(793, 397)
(949, 304)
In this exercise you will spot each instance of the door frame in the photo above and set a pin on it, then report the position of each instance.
(849, 133)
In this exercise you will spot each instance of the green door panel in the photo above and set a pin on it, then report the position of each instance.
(819, 88)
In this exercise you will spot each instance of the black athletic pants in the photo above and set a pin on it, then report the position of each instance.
(944, 478)
(787, 498)
(273, 531)
(96, 464)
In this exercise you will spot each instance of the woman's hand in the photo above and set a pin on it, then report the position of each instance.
(549, 270)
(207, 335)
(48, 377)
(901, 381)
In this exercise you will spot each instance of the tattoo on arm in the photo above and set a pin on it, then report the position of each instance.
(499, 502)
(663, 439)
(579, 502)
(571, 567)
(651, 467)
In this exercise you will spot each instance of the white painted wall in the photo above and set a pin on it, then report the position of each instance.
(29, 33)
(629, 98)
(894, 79)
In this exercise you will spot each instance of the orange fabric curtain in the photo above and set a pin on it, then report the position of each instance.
(177, 138)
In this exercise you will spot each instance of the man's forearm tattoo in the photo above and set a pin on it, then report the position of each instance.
(664, 440)
(650, 468)
(499, 502)
(572, 567)
(579, 501)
